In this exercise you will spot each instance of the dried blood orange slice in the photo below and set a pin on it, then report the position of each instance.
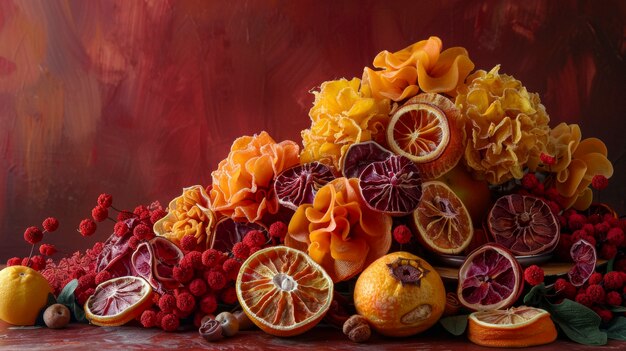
(229, 232)
(584, 256)
(283, 291)
(523, 224)
(429, 130)
(441, 219)
(299, 184)
(490, 278)
(118, 301)
(516, 327)
(360, 155)
(392, 186)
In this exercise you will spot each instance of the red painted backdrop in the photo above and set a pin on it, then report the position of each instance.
(141, 98)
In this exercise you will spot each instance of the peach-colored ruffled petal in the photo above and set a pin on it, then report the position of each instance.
(590, 145)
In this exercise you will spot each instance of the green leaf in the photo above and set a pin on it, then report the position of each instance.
(536, 296)
(79, 313)
(617, 309)
(455, 325)
(578, 322)
(66, 296)
(609, 265)
(617, 329)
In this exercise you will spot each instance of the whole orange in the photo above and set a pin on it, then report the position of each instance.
(23, 293)
(400, 294)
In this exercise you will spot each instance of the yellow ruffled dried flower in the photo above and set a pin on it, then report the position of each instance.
(506, 125)
(343, 113)
(419, 67)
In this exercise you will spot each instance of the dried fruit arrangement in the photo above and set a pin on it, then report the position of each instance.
(421, 163)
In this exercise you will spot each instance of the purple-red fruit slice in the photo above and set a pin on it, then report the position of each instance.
(155, 260)
(360, 155)
(115, 255)
(392, 186)
(228, 233)
(490, 278)
(299, 184)
(523, 224)
(584, 256)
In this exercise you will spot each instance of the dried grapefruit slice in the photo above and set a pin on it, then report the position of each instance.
(490, 278)
(585, 257)
(283, 291)
(118, 301)
(516, 327)
(442, 221)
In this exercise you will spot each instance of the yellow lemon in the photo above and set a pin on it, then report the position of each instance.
(23, 293)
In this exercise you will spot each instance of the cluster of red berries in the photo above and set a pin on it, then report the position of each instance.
(207, 279)
(532, 186)
(34, 235)
(75, 266)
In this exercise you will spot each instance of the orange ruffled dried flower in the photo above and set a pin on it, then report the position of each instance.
(343, 113)
(241, 184)
(339, 231)
(506, 125)
(421, 66)
(188, 214)
(577, 162)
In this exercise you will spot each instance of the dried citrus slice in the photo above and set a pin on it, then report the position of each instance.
(516, 327)
(442, 221)
(283, 291)
(118, 301)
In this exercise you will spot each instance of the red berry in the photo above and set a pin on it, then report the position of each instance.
(599, 182)
(605, 314)
(99, 213)
(156, 215)
(120, 229)
(148, 319)
(254, 238)
(608, 251)
(87, 227)
(50, 224)
(529, 181)
(596, 293)
(142, 211)
(620, 265)
(614, 298)
(170, 322)
(231, 267)
(229, 296)
(167, 303)
(216, 279)
(193, 259)
(14, 261)
(124, 215)
(188, 242)
(584, 299)
(533, 275)
(103, 276)
(185, 302)
(33, 235)
(182, 273)
(565, 289)
(240, 250)
(615, 236)
(595, 278)
(197, 287)
(402, 234)
(576, 221)
(87, 281)
(589, 229)
(552, 194)
(602, 228)
(255, 249)
(210, 257)
(37, 263)
(278, 230)
(105, 200)
(547, 159)
(143, 232)
(538, 190)
(208, 304)
(47, 249)
(613, 280)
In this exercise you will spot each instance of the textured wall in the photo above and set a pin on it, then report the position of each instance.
(141, 98)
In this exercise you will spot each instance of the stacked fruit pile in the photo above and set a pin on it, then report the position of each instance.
(423, 160)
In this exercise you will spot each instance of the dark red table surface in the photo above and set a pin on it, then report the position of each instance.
(81, 336)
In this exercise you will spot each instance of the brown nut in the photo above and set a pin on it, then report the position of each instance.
(230, 324)
(56, 316)
(357, 329)
(211, 330)
(244, 322)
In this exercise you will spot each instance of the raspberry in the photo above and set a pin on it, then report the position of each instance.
(188, 242)
(615, 236)
(533, 275)
(170, 322)
(216, 279)
(47, 249)
(402, 234)
(278, 230)
(240, 250)
(120, 228)
(595, 278)
(87, 227)
(124, 215)
(608, 251)
(599, 182)
(596, 293)
(197, 287)
(156, 215)
(167, 303)
(547, 159)
(254, 238)
(182, 273)
(185, 302)
(229, 296)
(105, 200)
(33, 235)
(148, 319)
(143, 232)
(584, 299)
(576, 221)
(210, 257)
(613, 281)
(614, 298)
(208, 304)
(14, 261)
(87, 281)
(103, 277)
(565, 288)
(50, 224)
(605, 314)
(231, 268)
(99, 213)
(529, 181)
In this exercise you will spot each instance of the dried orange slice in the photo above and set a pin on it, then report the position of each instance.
(443, 223)
(516, 327)
(283, 291)
(118, 301)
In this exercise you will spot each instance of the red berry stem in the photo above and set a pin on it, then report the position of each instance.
(32, 248)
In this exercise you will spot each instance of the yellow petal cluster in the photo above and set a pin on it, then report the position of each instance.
(339, 231)
(506, 125)
(421, 66)
(577, 162)
(241, 184)
(343, 113)
(188, 214)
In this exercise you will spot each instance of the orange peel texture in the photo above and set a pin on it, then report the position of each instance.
(188, 214)
(242, 182)
(343, 113)
(419, 67)
(506, 125)
(338, 230)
